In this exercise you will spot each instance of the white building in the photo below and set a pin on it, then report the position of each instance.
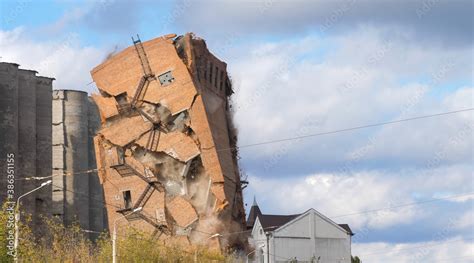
(306, 237)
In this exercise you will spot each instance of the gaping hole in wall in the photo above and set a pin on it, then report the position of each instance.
(155, 113)
(196, 182)
(178, 122)
(123, 106)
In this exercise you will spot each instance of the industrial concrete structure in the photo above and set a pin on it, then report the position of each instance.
(308, 237)
(167, 143)
(25, 135)
(77, 193)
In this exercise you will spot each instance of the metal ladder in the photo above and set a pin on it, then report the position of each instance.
(144, 196)
(153, 140)
(124, 170)
(143, 57)
(147, 73)
(138, 91)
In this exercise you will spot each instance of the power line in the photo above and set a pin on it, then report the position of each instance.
(343, 130)
(81, 193)
(417, 247)
(339, 216)
(368, 211)
(378, 209)
(404, 205)
(363, 255)
(451, 259)
(118, 207)
(282, 140)
(64, 173)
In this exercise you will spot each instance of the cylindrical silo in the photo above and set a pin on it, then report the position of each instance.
(8, 121)
(44, 88)
(27, 139)
(73, 124)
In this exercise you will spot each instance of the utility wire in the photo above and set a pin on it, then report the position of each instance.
(363, 255)
(405, 205)
(118, 207)
(375, 210)
(283, 140)
(345, 215)
(451, 259)
(64, 173)
(343, 130)
(84, 194)
(368, 211)
(417, 247)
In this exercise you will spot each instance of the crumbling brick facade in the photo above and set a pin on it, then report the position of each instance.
(167, 142)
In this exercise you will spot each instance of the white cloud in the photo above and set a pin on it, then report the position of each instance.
(447, 250)
(63, 59)
(362, 78)
(347, 198)
(466, 222)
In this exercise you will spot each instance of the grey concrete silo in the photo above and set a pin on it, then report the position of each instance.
(8, 120)
(25, 117)
(77, 194)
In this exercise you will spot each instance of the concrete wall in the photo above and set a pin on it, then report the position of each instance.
(25, 112)
(77, 194)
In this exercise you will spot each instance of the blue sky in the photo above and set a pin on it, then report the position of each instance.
(307, 67)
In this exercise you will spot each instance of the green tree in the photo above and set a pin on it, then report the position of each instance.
(355, 259)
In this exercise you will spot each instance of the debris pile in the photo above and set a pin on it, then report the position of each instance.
(168, 144)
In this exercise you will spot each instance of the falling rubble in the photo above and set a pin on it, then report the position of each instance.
(167, 143)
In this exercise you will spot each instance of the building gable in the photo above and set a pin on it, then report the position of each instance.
(322, 227)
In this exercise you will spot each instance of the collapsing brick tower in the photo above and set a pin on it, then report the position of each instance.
(167, 143)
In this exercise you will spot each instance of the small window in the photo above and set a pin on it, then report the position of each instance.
(127, 199)
(210, 72)
(222, 80)
(166, 78)
(215, 80)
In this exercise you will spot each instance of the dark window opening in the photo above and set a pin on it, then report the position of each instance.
(127, 199)
(123, 106)
(210, 72)
(222, 80)
(215, 80)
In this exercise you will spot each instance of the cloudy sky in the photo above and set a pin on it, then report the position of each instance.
(305, 67)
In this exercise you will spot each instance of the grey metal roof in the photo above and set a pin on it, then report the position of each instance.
(271, 222)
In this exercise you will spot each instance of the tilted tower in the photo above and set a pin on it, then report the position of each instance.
(168, 144)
